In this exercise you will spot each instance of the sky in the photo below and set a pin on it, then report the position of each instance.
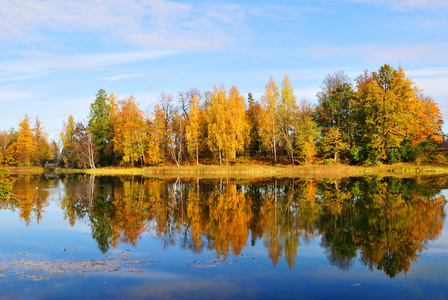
(55, 55)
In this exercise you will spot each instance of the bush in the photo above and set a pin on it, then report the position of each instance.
(393, 156)
(356, 154)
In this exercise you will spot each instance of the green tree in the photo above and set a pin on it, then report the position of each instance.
(99, 123)
(333, 112)
(253, 113)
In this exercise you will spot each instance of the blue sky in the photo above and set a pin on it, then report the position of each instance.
(55, 55)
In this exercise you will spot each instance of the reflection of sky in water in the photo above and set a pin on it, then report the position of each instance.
(182, 273)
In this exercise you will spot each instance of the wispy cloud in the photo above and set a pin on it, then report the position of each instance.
(8, 95)
(380, 53)
(34, 67)
(157, 24)
(122, 76)
(407, 5)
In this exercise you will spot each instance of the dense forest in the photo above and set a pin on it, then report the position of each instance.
(383, 117)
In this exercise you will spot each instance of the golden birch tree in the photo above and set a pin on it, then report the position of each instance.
(67, 137)
(216, 122)
(268, 119)
(193, 128)
(237, 125)
(286, 111)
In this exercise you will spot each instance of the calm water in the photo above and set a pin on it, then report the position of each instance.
(131, 237)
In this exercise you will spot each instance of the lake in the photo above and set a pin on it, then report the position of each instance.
(81, 236)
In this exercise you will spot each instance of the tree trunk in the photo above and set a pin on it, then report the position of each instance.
(197, 155)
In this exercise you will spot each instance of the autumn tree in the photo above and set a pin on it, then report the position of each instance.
(6, 139)
(216, 122)
(237, 126)
(286, 112)
(67, 137)
(42, 148)
(25, 147)
(332, 143)
(307, 132)
(129, 136)
(426, 122)
(193, 133)
(268, 118)
(176, 138)
(8, 145)
(83, 146)
(389, 110)
(166, 107)
(154, 125)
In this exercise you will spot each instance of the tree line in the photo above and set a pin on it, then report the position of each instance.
(383, 117)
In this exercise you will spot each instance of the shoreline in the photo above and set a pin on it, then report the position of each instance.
(251, 171)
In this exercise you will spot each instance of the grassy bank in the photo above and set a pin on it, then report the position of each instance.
(25, 170)
(253, 171)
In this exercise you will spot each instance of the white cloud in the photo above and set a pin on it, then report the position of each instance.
(433, 82)
(122, 76)
(13, 95)
(41, 65)
(378, 53)
(406, 5)
(157, 24)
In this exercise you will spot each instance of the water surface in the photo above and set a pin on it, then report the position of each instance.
(114, 237)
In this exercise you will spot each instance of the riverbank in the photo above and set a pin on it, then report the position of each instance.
(25, 170)
(251, 171)
(316, 171)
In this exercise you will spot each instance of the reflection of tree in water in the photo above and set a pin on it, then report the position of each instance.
(229, 217)
(387, 222)
(222, 216)
(386, 219)
(337, 229)
(289, 212)
(6, 184)
(100, 218)
(27, 200)
(78, 198)
(392, 230)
